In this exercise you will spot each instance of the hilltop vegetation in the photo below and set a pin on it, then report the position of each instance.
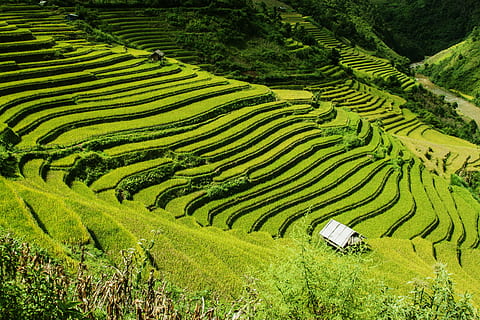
(458, 67)
(234, 39)
(422, 28)
(352, 21)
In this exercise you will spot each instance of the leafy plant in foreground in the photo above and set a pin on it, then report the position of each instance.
(32, 285)
(432, 298)
(313, 281)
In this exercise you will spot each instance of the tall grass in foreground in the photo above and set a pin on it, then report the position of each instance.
(35, 286)
(312, 282)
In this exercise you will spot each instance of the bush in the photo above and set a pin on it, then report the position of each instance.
(430, 299)
(351, 140)
(312, 281)
(8, 164)
(227, 188)
(132, 184)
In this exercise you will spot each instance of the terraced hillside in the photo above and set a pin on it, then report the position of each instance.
(362, 64)
(112, 146)
(146, 32)
(440, 153)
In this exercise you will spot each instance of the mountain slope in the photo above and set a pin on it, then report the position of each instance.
(112, 146)
(422, 28)
(458, 66)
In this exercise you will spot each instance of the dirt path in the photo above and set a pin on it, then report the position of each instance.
(465, 107)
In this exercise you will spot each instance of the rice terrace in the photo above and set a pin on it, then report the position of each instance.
(118, 136)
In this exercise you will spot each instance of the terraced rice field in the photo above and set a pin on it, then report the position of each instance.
(103, 133)
(362, 65)
(147, 32)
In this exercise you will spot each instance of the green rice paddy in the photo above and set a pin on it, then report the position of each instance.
(92, 124)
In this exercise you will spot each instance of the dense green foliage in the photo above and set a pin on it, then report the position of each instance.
(8, 163)
(236, 39)
(458, 67)
(32, 285)
(469, 180)
(350, 20)
(442, 115)
(312, 282)
(424, 27)
(245, 43)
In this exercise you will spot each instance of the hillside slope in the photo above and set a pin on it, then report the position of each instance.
(421, 28)
(458, 66)
(111, 146)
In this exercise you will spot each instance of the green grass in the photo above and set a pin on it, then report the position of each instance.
(330, 191)
(406, 253)
(89, 55)
(185, 115)
(235, 132)
(176, 251)
(44, 71)
(385, 223)
(7, 101)
(178, 205)
(26, 56)
(386, 195)
(287, 192)
(443, 231)
(33, 120)
(447, 253)
(287, 160)
(214, 127)
(57, 221)
(266, 157)
(425, 219)
(469, 261)
(149, 196)
(44, 82)
(15, 215)
(329, 162)
(41, 42)
(263, 137)
(112, 178)
(468, 211)
(181, 107)
(442, 187)
(299, 174)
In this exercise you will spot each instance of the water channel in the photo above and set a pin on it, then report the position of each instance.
(465, 107)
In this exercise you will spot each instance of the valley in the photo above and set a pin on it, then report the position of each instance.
(465, 107)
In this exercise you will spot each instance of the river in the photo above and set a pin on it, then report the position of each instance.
(465, 107)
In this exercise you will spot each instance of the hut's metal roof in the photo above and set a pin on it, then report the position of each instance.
(337, 233)
(159, 52)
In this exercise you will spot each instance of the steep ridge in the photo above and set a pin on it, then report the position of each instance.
(363, 65)
(457, 67)
(146, 33)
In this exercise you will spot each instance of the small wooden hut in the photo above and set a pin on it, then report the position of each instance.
(339, 235)
(157, 55)
(72, 16)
